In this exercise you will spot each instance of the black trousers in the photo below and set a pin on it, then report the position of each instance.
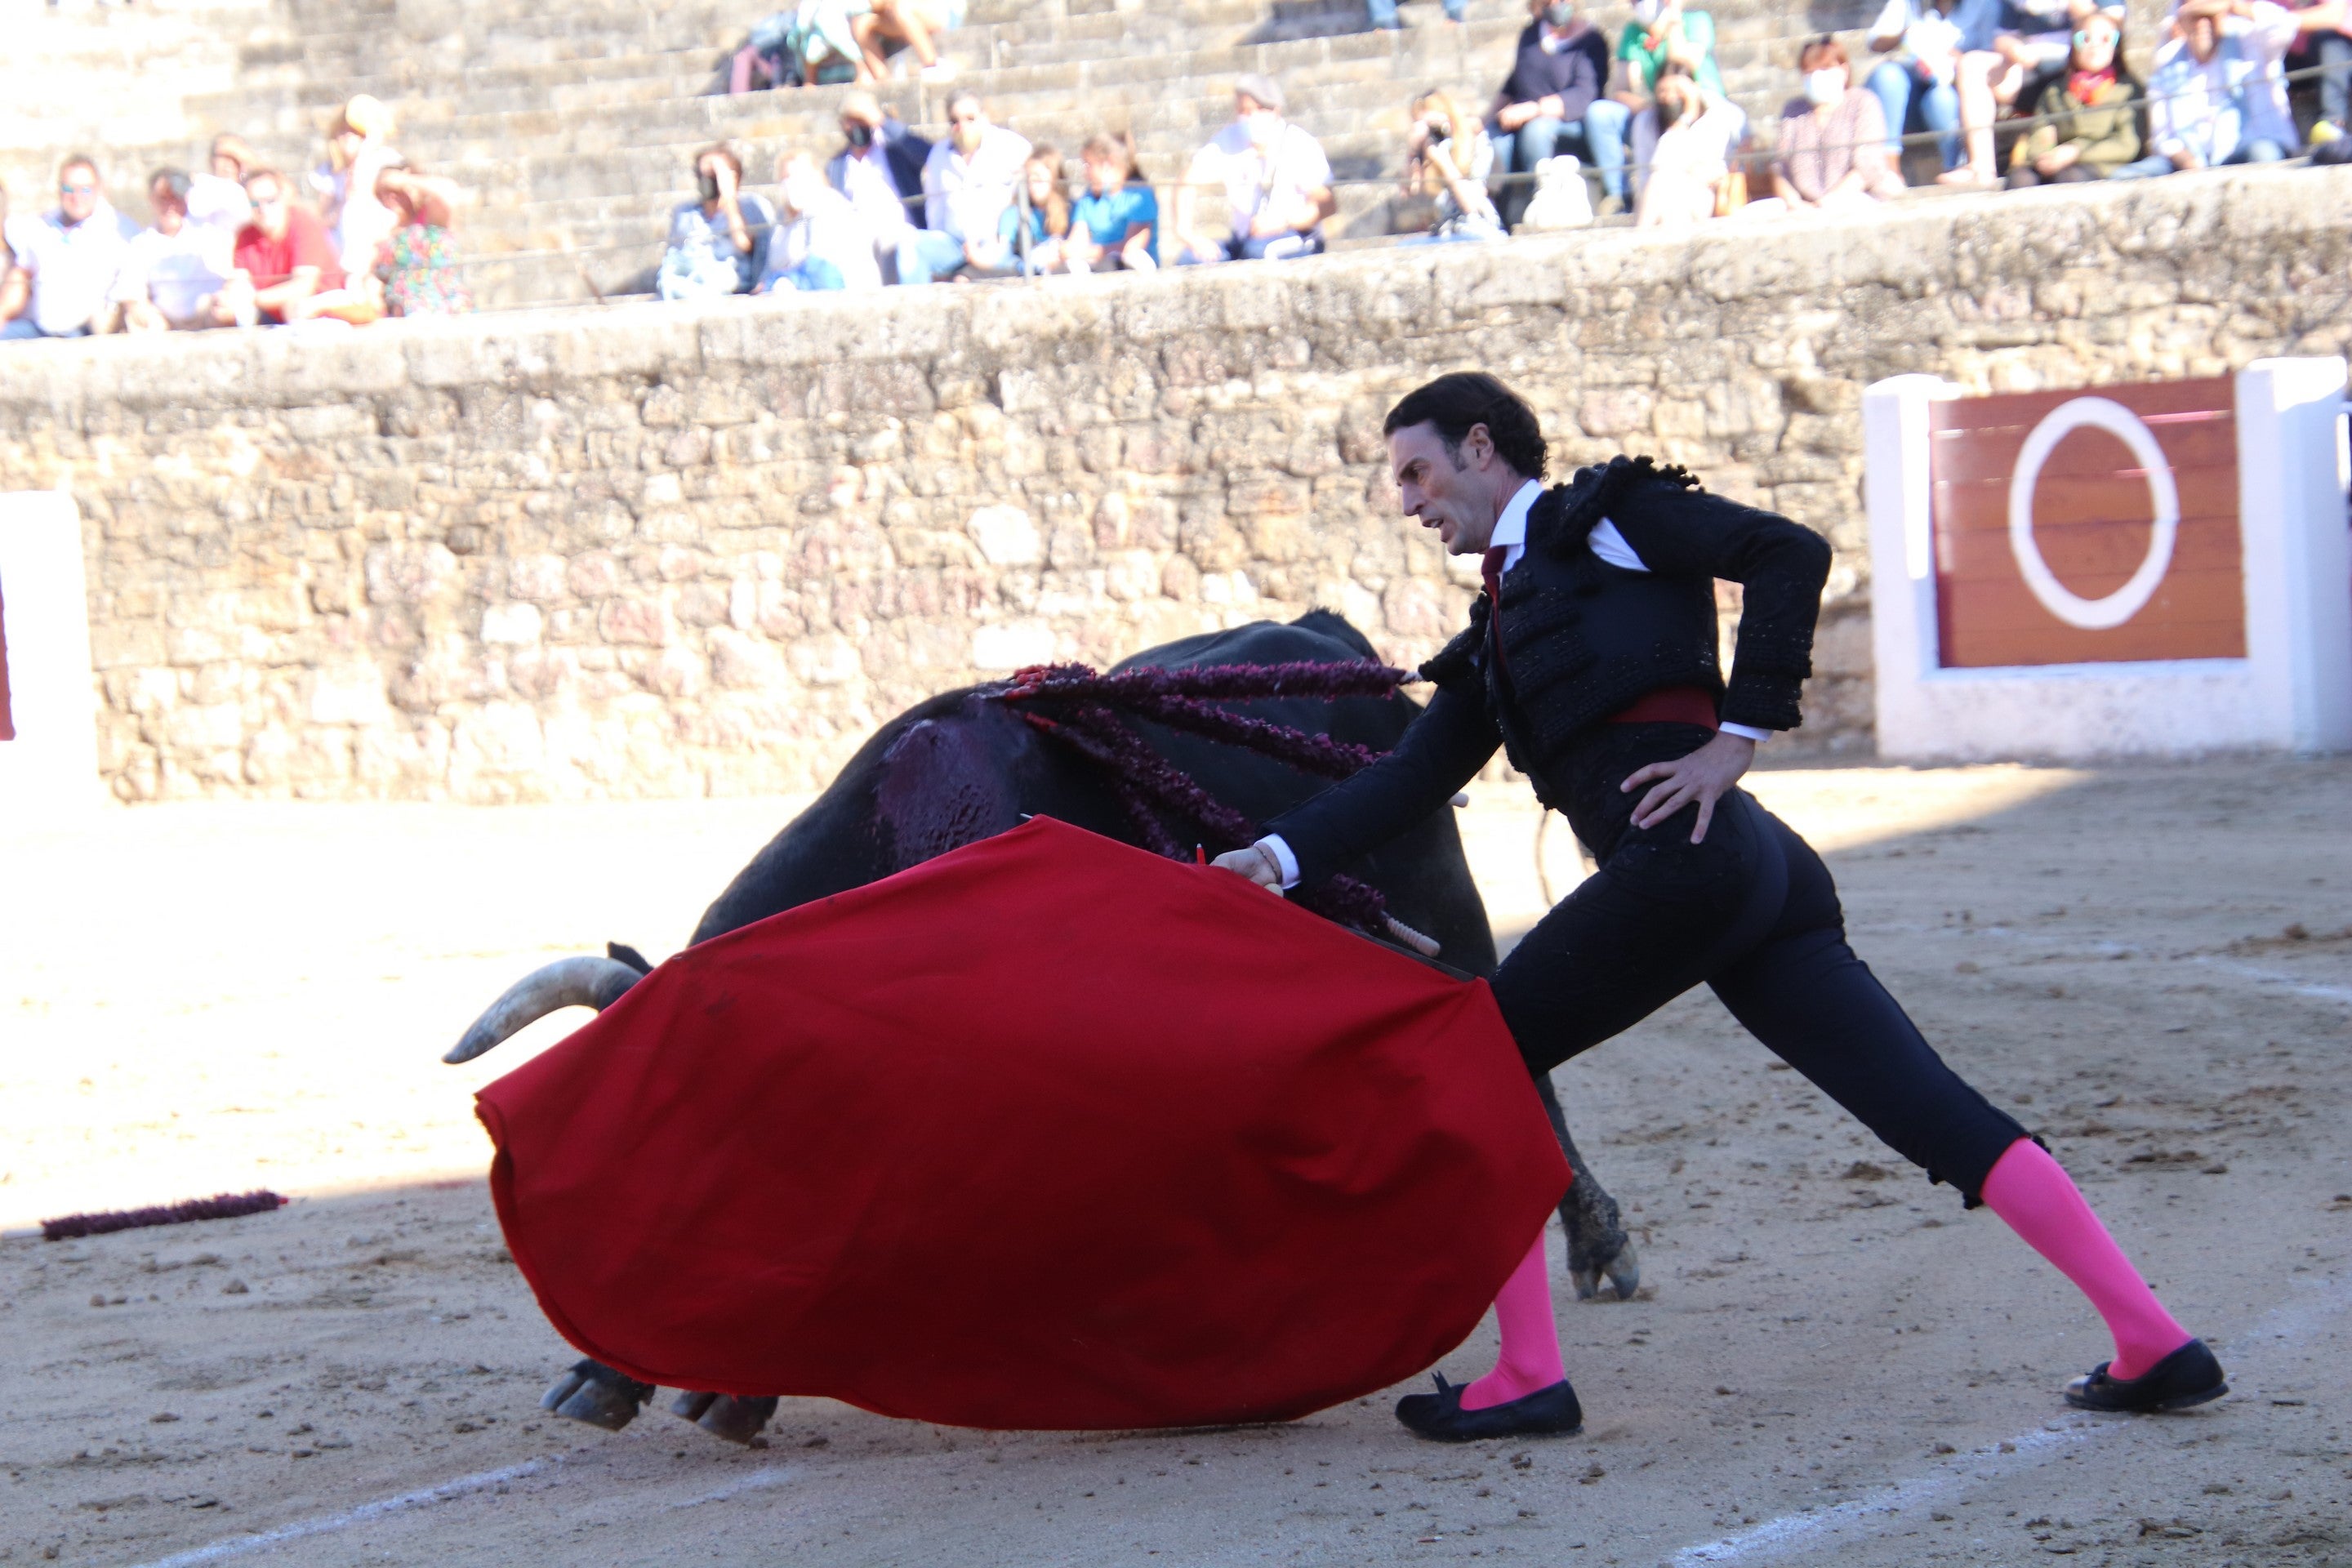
(1751, 912)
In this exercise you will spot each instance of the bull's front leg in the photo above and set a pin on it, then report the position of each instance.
(1598, 1246)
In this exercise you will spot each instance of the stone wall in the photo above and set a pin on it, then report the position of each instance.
(650, 551)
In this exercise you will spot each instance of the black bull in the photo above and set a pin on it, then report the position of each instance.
(962, 767)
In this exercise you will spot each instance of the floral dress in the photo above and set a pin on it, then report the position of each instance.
(421, 275)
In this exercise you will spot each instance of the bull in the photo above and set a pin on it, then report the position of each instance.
(963, 766)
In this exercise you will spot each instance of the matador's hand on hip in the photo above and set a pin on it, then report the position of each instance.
(1702, 776)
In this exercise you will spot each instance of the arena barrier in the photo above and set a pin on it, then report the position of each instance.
(2155, 569)
(48, 706)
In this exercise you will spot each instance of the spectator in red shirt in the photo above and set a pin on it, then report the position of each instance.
(286, 266)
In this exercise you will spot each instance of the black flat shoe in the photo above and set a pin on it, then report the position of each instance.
(1547, 1413)
(2189, 1375)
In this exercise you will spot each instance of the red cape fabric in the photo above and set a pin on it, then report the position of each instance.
(1046, 1132)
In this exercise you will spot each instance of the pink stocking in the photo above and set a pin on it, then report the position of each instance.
(2029, 1190)
(1530, 1356)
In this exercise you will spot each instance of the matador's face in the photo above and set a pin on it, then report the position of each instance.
(1447, 489)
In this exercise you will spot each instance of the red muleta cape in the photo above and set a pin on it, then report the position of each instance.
(1046, 1133)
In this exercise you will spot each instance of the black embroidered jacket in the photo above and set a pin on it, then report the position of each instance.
(1580, 639)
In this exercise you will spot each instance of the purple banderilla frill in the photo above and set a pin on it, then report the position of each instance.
(224, 1206)
(1090, 712)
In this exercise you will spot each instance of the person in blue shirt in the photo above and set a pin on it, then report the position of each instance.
(1115, 225)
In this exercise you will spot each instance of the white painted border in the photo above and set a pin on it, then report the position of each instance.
(2293, 691)
(52, 764)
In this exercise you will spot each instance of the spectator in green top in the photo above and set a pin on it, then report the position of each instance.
(1662, 30)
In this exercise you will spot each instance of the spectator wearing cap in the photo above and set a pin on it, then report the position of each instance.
(1832, 151)
(714, 239)
(1556, 101)
(880, 170)
(2217, 95)
(173, 272)
(61, 278)
(2093, 125)
(820, 241)
(1277, 184)
(359, 149)
(968, 180)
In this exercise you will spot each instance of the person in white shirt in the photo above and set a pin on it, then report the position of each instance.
(2217, 95)
(879, 169)
(1682, 149)
(216, 199)
(359, 150)
(820, 241)
(60, 283)
(1277, 184)
(968, 182)
(172, 274)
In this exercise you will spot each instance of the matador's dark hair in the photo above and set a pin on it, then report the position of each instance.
(1454, 403)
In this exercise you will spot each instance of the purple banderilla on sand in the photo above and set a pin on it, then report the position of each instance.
(224, 1206)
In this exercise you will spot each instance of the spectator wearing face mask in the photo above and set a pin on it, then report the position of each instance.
(714, 241)
(880, 170)
(2217, 95)
(172, 274)
(819, 242)
(2094, 126)
(968, 182)
(1277, 184)
(1682, 151)
(1556, 101)
(1831, 152)
(1115, 222)
(1448, 156)
(60, 281)
(1924, 41)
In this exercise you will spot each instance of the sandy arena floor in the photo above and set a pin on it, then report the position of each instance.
(1831, 1363)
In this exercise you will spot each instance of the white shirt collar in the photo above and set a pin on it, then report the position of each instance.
(1511, 528)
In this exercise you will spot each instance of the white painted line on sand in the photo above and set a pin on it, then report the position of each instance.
(2300, 987)
(1811, 1527)
(327, 1525)
(774, 1476)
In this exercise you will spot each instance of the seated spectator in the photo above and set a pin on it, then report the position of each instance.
(2328, 24)
(1277, 184)
(1924, 40)
(820, 241)
(2094, 127)
(880, 169)
(967, 182)
(1115, 222)
(912, 23)
(1382, 14)
(1661, 31)
(1048, 210)
(286, 267)
(1832, 147)
(1448, 157)
(64, 264)
(1683, 145)
(714, 241)
(416, 264)
(359, 148)
(2030, 52)
(2217, 95)
(217, 198)
(173, 273)
(1555, 100)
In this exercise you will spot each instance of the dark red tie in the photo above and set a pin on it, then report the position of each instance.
(1491, 568)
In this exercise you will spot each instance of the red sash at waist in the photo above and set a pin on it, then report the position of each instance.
(1668, 705)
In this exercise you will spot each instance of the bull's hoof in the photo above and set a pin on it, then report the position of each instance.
(592, 1391)
(1621, 1268)
(724, 1416)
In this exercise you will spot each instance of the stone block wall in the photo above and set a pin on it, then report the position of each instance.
(651, 551)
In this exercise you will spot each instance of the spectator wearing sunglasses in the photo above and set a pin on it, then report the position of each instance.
(2092, 128)
(968, 185)
(60, 279)
(2217, 95)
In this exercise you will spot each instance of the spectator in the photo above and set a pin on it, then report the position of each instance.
(1277, 184)
(2328, 23)
(1555, 100)
(1832, 147)
(1682, 149)
(64, 264)
(1924, 40)
(1382, 14)
(172, 274)
(880, 170)
(286, 267)
(1448, 157)
(417, 262)
(1048, 209)
(216, 198)
(2093, 129)
(967, 182)
(2217, 95)
(1114, 224)
(714, 241)
(820, 241)
(912, 23)
(359, 149)
(1662, 30)
(2024, 62)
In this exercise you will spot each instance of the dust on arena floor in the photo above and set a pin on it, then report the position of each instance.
(1831, 1363)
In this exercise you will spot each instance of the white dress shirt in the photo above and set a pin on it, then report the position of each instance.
(1510, 536)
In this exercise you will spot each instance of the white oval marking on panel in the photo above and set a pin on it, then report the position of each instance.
(2115, 609)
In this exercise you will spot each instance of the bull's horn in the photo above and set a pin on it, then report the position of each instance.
(595, 983)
